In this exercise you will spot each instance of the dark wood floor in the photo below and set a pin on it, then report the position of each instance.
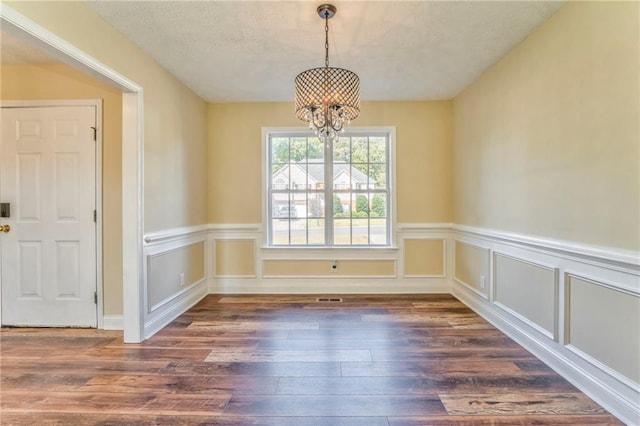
(288, 360)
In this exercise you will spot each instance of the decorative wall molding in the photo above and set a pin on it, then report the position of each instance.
(160, 243)
(623, 405)
(325, 286)
(584, 252)
(615, 270)
(174, 307)
(173, 234)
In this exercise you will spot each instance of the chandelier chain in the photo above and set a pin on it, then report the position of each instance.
(326, 38)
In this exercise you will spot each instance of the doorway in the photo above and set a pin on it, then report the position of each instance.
(132, 157)
(50, 178)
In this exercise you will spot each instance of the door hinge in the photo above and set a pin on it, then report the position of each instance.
(95, 216)
(95, 133)
(95, 297)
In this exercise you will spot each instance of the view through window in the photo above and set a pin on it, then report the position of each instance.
(350, 208)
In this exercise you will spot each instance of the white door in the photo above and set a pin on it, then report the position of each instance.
(48, 175)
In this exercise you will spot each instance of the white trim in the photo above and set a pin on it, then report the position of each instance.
(525, 320)
(604, 283)
(424, 227)
(25, 29)
(323, 286)
(113, 322)
(133, 216)
(165, 302)
(173, 234)
(235, 227)
(610, 371)
(391, 190)
(172, 309)
(586, 252)
(132, 154)
(97, 104)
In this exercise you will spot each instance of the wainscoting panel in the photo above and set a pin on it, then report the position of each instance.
(175, 274)
(471, 267)
(324, 268)
(602, 325)
(172, 271)
(235, 258)
(424, 257)
(527, 290)
(576, 307)
(304, 270)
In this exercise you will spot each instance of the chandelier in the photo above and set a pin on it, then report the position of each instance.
(327, 98)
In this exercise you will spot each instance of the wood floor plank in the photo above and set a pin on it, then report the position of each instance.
(290, 355)
(507, 420)
(530, 403)
(181, 384)
(451, 367)
(289, 360)
(334, 405)
(254, 369)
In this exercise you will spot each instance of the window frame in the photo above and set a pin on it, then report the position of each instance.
(388, 131)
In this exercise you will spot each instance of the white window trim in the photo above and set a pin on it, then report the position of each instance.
(391, 130)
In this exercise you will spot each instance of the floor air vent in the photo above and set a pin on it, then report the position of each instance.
(329, 299)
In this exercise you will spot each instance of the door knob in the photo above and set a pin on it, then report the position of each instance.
(5, 228)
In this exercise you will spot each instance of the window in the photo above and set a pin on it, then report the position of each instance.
(351, 210)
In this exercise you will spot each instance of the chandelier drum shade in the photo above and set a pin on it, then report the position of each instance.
(327, 98)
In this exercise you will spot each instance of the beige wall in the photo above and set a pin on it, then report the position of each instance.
(546, 141)
(423, 157)
(174, 117)
(235, 258)
(64, 82)
(424, 257)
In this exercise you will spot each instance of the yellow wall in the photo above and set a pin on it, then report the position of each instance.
(424, 257)
(423, 157)
(174, 117)
(64, 82)
(546, 141)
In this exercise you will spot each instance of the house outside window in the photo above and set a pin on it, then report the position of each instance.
(352, 210)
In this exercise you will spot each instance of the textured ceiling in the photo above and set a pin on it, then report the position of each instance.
(244, 51)
(235, 51)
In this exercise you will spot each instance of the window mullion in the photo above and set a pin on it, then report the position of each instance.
(328, 194)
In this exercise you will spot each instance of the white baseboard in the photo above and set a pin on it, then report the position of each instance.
(326, 286)
(174, 308)
(112, 322)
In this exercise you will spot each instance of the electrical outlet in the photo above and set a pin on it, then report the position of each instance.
(482, 283)
(334, 266)
(181, 278)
